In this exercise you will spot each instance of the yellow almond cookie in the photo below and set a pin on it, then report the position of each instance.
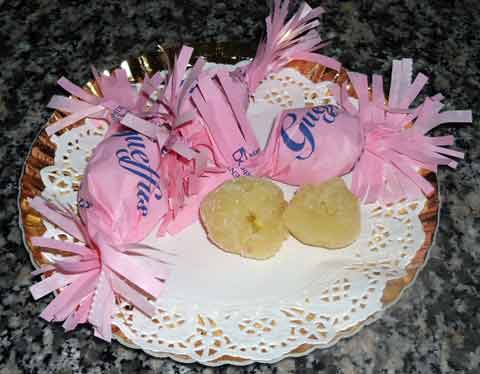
(244, 216)
(324, 215)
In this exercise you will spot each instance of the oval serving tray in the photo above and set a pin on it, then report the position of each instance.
(207, 337)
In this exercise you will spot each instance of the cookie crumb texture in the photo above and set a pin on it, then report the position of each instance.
(244, 216)
(325, 215)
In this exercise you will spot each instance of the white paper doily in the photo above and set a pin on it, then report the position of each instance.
(221, 305)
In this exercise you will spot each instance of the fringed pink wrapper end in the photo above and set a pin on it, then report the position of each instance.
(118, 98)
(94, 274)
(396, 144)
(227, 143)
(295, 39)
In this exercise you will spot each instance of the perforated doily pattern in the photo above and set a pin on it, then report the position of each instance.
(348, 292)
(285, 85)
(284, 90)
(289, 89)
(74, 149)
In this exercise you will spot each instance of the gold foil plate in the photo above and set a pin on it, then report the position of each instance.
(42, 154)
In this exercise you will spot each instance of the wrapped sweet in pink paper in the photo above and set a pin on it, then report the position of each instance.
(311, 145)
(133, 165)
(383, 146)
(228, 147)
(122, 195)
(120, 201)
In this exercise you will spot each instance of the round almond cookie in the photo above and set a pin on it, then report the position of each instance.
(324, 215)
(244, 216)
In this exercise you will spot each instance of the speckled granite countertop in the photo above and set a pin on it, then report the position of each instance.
(435, 328)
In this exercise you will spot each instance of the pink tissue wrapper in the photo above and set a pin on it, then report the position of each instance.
(311, 145)
(122, 194)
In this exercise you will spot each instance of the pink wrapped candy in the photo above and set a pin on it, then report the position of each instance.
(311, 145)
(122, 195)
(383, 146)
(227, 144)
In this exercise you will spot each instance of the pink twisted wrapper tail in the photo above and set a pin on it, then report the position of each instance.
(119, 97)
(183, 119)
(95, 273)
(179, 118)
(172, 104)
(172, 119)
(229, 146)
(295, 39)
(396, 144)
